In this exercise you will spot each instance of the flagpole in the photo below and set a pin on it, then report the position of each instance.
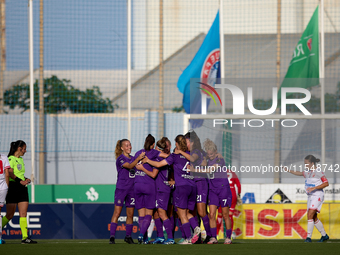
(222, 53)
(322, 77)
(30, 40)
(129, 68)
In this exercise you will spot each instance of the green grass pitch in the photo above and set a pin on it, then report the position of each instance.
(239, 247)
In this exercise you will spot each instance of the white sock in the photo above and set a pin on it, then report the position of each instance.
(319, 226)
(150, 229)
(310, 227)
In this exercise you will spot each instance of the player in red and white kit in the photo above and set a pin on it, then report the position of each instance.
(235, 187)
(4, 183)
(314, 184)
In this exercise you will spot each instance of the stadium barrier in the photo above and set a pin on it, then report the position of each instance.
(71, 221)
(283, 221)
(251, 193)
(74, 193)
(92, 221)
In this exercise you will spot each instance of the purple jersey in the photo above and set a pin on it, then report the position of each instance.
(181, 173)
(125, 179)
(198, 162)
(142, 177)
(220, 177)
(162, 183)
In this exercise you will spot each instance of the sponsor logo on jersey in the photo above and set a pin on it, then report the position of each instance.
(140, 173)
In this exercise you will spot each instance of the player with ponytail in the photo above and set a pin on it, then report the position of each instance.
(162, 196)
(124, 193)
(17, 191)
(185, 193)
(315, 182)
(196, 157)
(145, 187)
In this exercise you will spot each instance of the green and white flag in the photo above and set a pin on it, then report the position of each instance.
(305, 61)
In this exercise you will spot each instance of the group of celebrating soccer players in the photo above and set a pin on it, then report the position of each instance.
(165, 186)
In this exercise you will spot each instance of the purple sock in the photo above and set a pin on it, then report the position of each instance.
(196, 219)
(168, 228)
(228, 232)
(172, 220)
(129, 229)
(181, 228)
(140, 222)
(159, 227)
(113, 228)
(193, 223)
(146, 224)
(213, 232)
(206, 225)
(186, 228)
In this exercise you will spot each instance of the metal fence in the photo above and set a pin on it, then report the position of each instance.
(80, 61)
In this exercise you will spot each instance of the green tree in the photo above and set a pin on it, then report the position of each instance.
(59, 96)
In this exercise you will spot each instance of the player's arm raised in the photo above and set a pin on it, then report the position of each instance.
(134, 163)
(293, 172)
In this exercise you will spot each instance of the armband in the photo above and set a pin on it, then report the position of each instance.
(17, 179)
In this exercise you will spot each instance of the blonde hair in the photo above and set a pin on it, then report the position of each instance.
(209, 145)
(118, 150)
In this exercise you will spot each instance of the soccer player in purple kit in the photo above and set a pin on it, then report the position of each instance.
(145, 188)
(185, 194)
(219, 190)
(162, 196)
(124, 188)
(196, 157)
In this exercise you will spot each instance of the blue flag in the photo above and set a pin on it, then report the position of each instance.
(204, 67)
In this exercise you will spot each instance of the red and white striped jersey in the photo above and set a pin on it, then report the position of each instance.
(4, 164)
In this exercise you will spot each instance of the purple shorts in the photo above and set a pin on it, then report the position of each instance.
(145, 195)
(185, 197)
(162, 200)
(202, 191)
(220, 197)
(125, 195)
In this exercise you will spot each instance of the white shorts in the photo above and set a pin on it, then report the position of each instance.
(315, 201)
(3, 193)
